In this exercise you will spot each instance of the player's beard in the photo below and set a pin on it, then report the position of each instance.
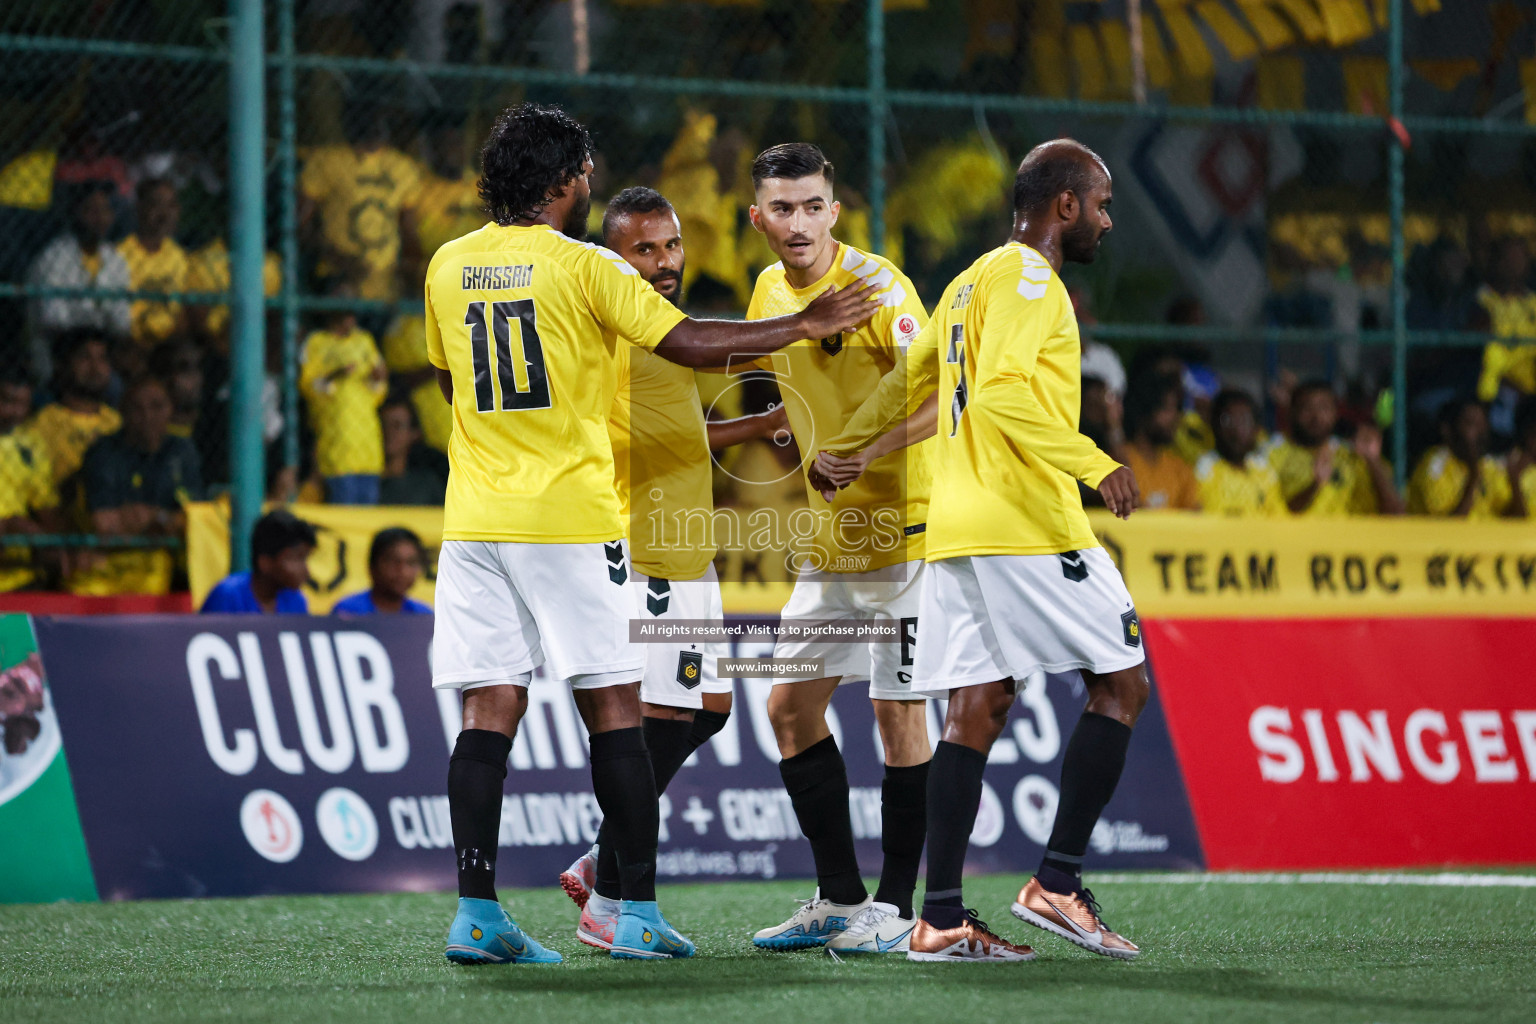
(676, 295)
(1080, 242)
(575, 225)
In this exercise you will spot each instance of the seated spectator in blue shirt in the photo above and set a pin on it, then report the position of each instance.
(280, 547)
(394, 566)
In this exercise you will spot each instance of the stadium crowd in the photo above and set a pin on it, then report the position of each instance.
(114, 410)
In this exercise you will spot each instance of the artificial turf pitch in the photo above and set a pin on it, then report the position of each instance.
(1213, 951)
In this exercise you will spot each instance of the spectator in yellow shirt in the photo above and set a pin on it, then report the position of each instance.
(351, 199)
(71, 425)
(1152, 413)
(1510, 306)
(446, 204)
(1458, 477)
(343, 378)
(1234, 479)
(156, 264)
(208, 271)
(28, 501)
(1321, 475)
(1522, 461)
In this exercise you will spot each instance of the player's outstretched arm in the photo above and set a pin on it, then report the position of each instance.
(843, 470)
(699, 343)
(725, 433)
(900, 395)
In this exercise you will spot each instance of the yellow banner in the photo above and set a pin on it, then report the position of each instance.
(339, 565)
(1188, 565)
(1175, 564)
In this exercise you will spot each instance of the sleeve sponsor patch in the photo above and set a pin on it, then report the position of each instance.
(903, 329)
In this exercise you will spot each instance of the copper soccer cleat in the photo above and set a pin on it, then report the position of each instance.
(1074, 916)
(971, 941)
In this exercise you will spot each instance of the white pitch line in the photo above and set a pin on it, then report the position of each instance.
(1445, 879)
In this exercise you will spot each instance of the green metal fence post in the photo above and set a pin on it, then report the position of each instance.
(288, 213)
(1399, 293)
(247, 118)
(877, 117)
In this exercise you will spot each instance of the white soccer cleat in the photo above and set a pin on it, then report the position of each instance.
(579, 879)
(878, 928)
(813, 924)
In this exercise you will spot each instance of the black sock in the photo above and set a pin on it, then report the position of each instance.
(667, 741)
(1090, 770)
(706, 724)
(954, 795)
(476, 773)
(817, 781)
(625, 787)
(904, 826)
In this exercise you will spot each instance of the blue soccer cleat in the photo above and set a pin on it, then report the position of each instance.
(643, 934)
(482, 933)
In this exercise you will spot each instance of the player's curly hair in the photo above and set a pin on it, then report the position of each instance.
(532, 153)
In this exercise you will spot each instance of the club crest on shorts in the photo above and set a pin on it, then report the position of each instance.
(1074, 566)
(690, 668)
(1132, 627)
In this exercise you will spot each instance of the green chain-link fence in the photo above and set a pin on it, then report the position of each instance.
(1336, 188)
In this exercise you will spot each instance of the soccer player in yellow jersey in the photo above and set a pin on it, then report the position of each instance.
(661, 456)
(156, 263)
(1016, 582)
(1458, 477)
(1321, 475)
(522, 325)
(861, 566)
(1236, 479)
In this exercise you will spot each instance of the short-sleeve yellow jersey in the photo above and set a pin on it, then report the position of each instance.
(359, 196)
(1003, 352)
(662, 466)
(1441, 478)
(164, 270)
(527, 321)
(337, 377)
(1348, 491)
(66, 434)
(881, 518)
(1252, 489)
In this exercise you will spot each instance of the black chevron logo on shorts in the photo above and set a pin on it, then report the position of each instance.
(1073, 566)
(616, 569)
(658, 596)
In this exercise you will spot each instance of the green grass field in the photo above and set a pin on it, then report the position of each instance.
(1214, 951)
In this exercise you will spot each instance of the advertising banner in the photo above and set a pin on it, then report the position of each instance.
(1185, 565)
(1176, 565)
(245, 755)
(1367, 743)
(42, 854)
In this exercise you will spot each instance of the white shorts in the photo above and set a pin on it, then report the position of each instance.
(677, 674)
(889, 595)
(504, 608)
(989, 617)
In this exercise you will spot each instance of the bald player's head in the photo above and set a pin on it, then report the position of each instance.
(1065, 186)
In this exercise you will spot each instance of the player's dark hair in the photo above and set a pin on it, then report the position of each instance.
(277, 531)
(68, 343)
(532, 153)
(1226, 399)
(1051, 169)
(1145, 396)
(1306, 388)
(388, 538)
(15, 375)
(635, 199)
(791, 160)
(402, 399)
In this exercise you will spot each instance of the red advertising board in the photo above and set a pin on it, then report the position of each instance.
(1354, 743)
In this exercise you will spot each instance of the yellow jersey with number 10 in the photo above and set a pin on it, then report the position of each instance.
(527, 321)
